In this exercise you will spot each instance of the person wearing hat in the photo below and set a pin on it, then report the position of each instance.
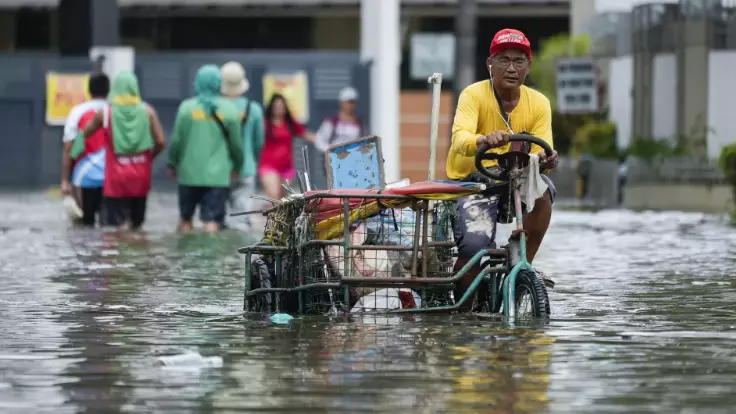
(205, 152)
(343, 126)
(487, 113)
(234, 86)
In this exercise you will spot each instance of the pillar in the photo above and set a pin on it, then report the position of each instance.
(87, 23)
(381, 43)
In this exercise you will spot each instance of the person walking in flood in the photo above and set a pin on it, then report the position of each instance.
(277, 159)
(133, 137)
(234, 86)
(206, 151)
(344, 126)
(83, 160)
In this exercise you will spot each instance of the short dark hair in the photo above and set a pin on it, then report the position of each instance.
(99, 85)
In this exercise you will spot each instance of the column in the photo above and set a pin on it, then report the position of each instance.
(380, 20)
(87, 23)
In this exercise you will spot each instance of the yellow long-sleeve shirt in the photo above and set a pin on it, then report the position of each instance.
(478, 114)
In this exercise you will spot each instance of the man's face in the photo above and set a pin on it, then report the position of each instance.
(509, 68)
(348, 106)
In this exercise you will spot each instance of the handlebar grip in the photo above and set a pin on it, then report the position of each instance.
(532, 140)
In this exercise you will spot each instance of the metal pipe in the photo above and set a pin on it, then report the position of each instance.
(262, 248)
(370, 281)
(425, 237)
(497, 252)
(468, 293)
(436, 81)
(295, 289)
(346, 237)
(415, 244)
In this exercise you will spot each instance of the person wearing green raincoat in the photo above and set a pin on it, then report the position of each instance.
(133, 138)
(205, 152)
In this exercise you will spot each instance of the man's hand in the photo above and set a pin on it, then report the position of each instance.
(172, 172)
(66, 187)
(548, 162)
(495, 139)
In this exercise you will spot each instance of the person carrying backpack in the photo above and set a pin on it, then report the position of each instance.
(132, 138)
(342, 127)
(206, 151)
(234, 86)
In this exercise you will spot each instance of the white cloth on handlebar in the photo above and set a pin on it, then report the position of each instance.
(532, 185)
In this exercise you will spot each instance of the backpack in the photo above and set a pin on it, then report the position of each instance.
(247, 113)
(334, 120)
(223, 130)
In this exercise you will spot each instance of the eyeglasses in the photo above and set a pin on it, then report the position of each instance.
(504, 62)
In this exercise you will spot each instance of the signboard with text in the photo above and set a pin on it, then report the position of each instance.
(577, 86)
(432, 53)
(63, 92)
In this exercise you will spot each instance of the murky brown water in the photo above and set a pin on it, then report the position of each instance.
(644, 320)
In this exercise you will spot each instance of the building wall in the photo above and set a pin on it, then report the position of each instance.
(721, 92)
(664, 96)
(29, 149)
(714, 199)
(7, 30)
(414, 132)
(336, 33)
(620, 98)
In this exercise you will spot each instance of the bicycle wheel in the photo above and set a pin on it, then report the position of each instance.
(531, 296)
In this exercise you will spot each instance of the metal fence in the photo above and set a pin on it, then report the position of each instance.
(30, 151)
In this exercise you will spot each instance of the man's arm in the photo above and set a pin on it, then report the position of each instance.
(543, 126)
(465, 126)
(70, 134)
(322, 137)
(259, 130)
(543, 129)
(176, 137)
(93, 125)
(66, 166)
(159, 136)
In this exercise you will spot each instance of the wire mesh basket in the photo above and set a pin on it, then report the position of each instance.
(352, 253)
(380, 259)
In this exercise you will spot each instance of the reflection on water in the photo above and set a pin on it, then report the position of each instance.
(643, 321)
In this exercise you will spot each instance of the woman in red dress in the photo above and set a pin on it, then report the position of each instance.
(276, 165)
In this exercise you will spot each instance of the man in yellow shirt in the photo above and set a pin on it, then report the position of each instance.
(488, 112)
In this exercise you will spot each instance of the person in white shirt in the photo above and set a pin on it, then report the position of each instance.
(89, 199)
(342, 127)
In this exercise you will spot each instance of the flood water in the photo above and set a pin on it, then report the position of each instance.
(644, 320)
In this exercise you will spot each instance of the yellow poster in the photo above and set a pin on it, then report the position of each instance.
(295, 89)
(63, 92)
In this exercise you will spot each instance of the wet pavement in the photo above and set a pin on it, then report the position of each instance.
(644, 320)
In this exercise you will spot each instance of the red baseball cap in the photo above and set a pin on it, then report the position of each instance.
(510, 39)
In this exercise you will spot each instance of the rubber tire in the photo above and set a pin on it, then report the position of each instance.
(527, 280)
(257, 303)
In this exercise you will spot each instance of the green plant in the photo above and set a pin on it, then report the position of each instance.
(649, 149)
(597, 138)
(543, 78)
(727, 162)
(544, 66)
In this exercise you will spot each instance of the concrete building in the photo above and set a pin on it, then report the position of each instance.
(669, 69)
(70, 27)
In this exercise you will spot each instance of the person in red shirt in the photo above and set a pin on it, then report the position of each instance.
(277, 160)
